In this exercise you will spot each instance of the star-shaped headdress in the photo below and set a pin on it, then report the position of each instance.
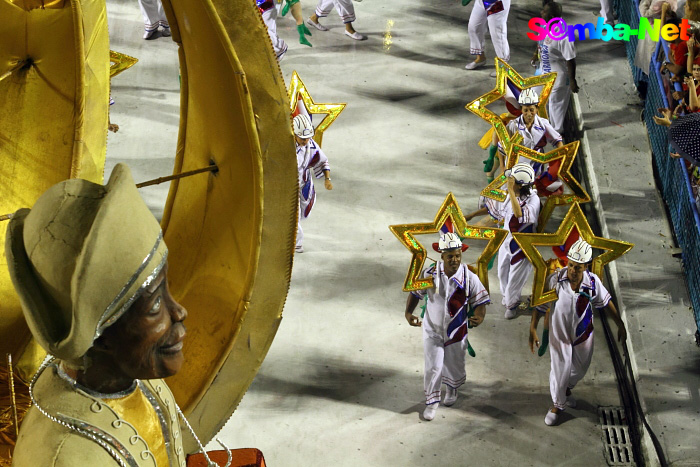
(507, 75)
(574, 219)
(451, 214)
(298, 92)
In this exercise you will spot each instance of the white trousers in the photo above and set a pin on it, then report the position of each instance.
(442, 365)
(498, 28)
(511, 277)
(345, 8)
(606, 11)
(153, 14)
(270, 19)
(300, 232)
(558, 101)
(569, 364)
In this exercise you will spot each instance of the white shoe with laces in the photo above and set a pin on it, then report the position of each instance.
(299, 249)
(450, 396)
(510, 313)
(493, 74)
(430, 411)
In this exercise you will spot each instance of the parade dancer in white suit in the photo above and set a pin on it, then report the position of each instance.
(537, 132)
(269, 16)
(346, 11)
(570, 320)
(519, 211)
(495, 14)
(445, 323)
(309, 157)
(559, 57)
(153, 18)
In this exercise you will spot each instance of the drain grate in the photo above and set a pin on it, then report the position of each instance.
(618, 446)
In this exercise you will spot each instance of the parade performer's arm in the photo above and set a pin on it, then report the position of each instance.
(321, 166)
(538, 313)
(515, 204)
(327, 181)
(411, 304)
(479, 212)
(479, 314)
(621, 331)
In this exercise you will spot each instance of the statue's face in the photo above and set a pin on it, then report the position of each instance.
(146, 342)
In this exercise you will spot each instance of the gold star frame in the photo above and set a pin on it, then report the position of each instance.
(449, 209)
(506, 72)
(574, 218)
(297, 89)
(120, 62)
(567, 154)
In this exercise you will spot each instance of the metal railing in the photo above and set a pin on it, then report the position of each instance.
(673, 179)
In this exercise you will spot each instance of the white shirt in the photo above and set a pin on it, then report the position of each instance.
(537, 137)
(554, 54)
(572, 317)
(449, 301)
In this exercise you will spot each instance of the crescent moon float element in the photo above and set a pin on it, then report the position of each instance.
(230, 233)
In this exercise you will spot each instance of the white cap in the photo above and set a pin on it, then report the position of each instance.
(580, 251)
(522, 172)
(303, 127)
(529, 97)
(449, 241)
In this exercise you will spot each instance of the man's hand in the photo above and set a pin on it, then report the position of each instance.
(412, 320)
(533, 340)
(573, 85)
(113, 127)
(476, 320)
(328, 184)
(510, 183)
(691, 42)
(535, 60)
(621, 333)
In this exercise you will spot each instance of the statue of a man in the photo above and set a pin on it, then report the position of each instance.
(90, 266)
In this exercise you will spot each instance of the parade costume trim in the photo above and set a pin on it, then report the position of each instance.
(504, 73)
(298, 90)
(574, 219)
(120, 62)
(449, 212)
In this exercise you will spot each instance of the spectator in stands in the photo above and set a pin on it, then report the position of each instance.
(678, 61)
(652, 9)
(693, 45)
(693, 103)
(691, 12)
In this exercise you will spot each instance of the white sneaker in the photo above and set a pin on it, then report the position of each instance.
(493, 74)
(165, 32)
(430, 411)
(280, 57)
(551, 418)
(510, 313)
(318, 26)
(450, 396)
(148, 34)
(299, 249)
(474, 65)
(571, 402)
(356, 35)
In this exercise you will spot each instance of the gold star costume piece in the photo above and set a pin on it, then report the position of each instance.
(297, 90)
(567, 154)
(449, 210)
(120, 62)
(506, 72)
(574, 218)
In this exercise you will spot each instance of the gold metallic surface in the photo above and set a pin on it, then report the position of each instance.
(55, 62)
(449, 209)
(574, 218)
(298, 90)
(120, 62)
(230, 234)
(506, 72)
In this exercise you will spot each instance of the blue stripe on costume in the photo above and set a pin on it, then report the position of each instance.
(457, 321)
